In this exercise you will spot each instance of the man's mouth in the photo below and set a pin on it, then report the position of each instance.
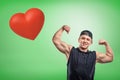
(84, 43)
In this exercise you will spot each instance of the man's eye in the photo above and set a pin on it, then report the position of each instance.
(88, 39)
(83, 38)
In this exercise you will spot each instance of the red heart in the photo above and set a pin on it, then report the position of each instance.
(27, 25)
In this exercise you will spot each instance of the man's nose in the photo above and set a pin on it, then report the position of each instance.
(85, 40)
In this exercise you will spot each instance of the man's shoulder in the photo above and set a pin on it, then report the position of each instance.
(92, 52)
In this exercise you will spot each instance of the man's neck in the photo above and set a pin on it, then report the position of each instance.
(83, 49)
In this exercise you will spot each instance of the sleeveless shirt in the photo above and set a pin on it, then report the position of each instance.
(81, 65)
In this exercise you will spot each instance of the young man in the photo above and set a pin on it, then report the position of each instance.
(81, 61)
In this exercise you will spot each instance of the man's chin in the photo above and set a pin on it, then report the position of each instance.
(84, 48)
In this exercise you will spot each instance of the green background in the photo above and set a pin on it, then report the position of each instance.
(24, 59)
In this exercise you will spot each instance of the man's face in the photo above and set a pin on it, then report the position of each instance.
(85, 41)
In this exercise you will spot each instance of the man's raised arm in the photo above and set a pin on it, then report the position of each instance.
(108, 56)
(60, 45)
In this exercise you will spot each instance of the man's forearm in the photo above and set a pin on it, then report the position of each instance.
(109, 51)
(58, 34)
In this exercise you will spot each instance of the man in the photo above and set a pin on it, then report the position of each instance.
(81, 61)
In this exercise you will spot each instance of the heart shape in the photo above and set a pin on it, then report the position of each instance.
(27, 25)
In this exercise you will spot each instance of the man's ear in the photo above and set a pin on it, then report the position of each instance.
(91, 41)
(79, 40)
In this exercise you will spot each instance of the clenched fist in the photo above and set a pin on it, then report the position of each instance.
(102, 42)
(66, 28)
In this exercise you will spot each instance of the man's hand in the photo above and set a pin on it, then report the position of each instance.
(66, 28)
(102, 42)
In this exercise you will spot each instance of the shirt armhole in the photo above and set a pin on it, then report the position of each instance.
(71, 52)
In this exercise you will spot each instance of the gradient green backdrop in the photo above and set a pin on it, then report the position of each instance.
(23, 59)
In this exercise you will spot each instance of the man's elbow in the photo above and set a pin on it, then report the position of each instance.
(55, 40)
(111, 58)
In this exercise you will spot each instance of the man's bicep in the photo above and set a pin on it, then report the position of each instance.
(102, 58)
(63, 47)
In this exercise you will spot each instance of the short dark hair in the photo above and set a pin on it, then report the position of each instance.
(87, 32)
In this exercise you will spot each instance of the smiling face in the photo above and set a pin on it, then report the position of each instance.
(85, 41)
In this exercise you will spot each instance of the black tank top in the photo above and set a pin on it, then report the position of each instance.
(81, 65)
